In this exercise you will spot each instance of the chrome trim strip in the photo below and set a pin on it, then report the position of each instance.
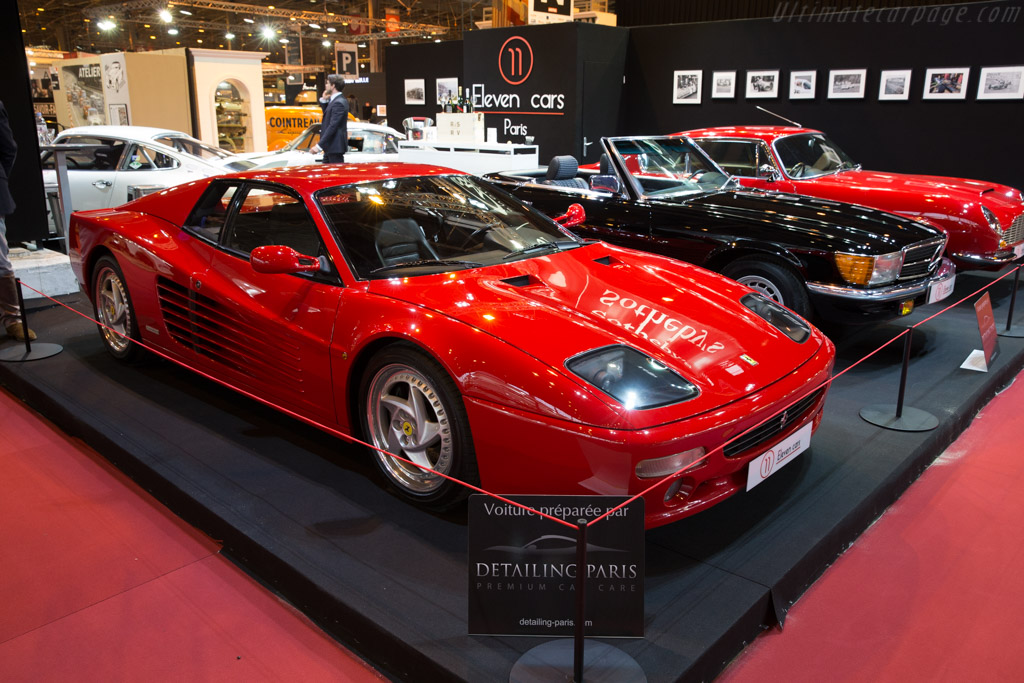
(946, 271)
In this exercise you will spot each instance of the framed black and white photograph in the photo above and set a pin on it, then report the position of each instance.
(1001, 83)
(686, 87)
(847, 83)
(723, 84)
(118, 114)
(946, 83)
(762, 84)
(415, 91)
(894, 85)
(446, 89)
(802, 84)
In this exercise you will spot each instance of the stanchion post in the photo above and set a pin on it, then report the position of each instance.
(24, 316)
(581, 582)
(1013, 299)
(903, 371)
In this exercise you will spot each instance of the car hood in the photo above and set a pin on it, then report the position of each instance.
(925, 188)
(556, 307)
(835, 226)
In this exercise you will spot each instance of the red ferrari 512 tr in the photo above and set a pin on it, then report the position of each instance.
(451, 325)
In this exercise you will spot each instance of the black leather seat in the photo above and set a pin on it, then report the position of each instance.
(562, 172)
(605, 165)
(401, 240)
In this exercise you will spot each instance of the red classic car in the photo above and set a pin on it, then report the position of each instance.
(984, 221)
(451, 325)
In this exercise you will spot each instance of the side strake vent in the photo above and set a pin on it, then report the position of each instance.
(522, 281)
(213, 330)
(604, 260)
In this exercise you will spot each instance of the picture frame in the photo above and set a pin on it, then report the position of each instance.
(946, 83)
(847, 84)
(118, 114)
(445, 88)
(1001, 83)
(802, 84)
(723, 84)
(686, 87)
(762, 84)
(894, 85)
(415, 91)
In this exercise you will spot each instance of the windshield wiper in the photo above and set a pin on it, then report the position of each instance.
(546, 246)
(428, 262)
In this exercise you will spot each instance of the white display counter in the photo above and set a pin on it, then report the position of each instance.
(476, 158)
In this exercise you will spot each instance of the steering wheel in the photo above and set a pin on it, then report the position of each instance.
(72, 162)
(798, 169)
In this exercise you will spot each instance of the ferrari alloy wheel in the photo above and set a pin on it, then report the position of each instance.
(412, 410)
(113, 306)
(772, 280)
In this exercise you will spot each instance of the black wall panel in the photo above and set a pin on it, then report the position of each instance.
(428, 61)
(967, 138)
(28, 222)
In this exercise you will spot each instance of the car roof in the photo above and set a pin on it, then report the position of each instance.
(124, 132)
(317, 176)
(770, 133)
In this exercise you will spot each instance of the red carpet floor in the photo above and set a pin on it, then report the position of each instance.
(933, 591)
(99, 582)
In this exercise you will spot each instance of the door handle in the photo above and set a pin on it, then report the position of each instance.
(102, 183)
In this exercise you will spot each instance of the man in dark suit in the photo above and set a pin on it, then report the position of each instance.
(10, 312)
(334, 126)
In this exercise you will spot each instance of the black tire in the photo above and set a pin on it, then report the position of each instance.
(772, 279)
(112, 304)
(410, 407)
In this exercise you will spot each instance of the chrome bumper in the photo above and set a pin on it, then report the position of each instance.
(895, 292)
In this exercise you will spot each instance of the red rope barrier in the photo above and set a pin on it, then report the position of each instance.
(658, 483)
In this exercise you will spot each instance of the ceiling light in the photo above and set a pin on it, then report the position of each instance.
(283, 41)
(327, 43)
(172, 31)
(314, 25)
(361, 45)
(394, 42)
(267, 32)
(249, 21)
(331, 29)
(185, 12)
(165, 16)
(229, 35)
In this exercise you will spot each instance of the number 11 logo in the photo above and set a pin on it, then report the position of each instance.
(515, 60)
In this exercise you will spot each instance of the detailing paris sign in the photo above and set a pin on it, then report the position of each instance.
(522, 567)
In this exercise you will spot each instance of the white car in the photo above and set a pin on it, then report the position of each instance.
(126, 162)
(367, 142)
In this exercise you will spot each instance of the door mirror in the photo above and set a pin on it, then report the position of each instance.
(768, 172)
(605, 183)
(572, 217)
(275, 259)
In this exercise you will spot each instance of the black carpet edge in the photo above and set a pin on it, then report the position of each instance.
(352, 629)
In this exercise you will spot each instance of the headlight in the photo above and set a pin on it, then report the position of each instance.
(993, 222)
(778, 317)
(869, 270)
(631, 378)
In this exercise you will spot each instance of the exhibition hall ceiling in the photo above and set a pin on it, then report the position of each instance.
(103, 25)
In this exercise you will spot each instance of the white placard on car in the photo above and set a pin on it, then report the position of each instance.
(767, 464)
(937, 291)
(1019, 250)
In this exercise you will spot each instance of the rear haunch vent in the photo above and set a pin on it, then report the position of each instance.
(606, 261)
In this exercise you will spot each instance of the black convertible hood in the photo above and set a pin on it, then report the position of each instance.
(830, 225)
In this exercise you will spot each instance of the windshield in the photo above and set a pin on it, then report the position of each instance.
(669, 166)
(306, 139)
(434, 224)
(810, 155)
(192, 146)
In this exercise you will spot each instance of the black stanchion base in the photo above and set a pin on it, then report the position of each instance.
(912, 419)
(553, 661)
(1014, 331)
(18, 354)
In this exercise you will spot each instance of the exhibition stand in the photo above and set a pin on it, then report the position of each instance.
(307, 513)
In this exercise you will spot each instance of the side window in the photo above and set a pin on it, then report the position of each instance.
(736, 157)
(210, 213)
(267, 217)
(136, 160)
(104, 156)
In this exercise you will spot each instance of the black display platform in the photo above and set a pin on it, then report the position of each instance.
(308, 515)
